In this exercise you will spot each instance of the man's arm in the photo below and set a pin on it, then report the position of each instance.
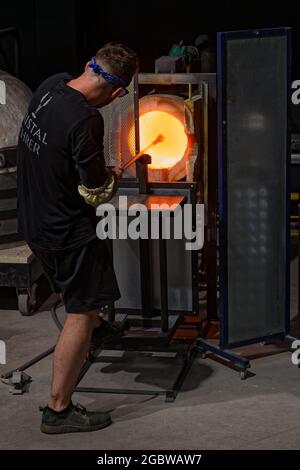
(98, 185)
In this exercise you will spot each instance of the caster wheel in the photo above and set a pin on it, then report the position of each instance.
(203, 355)
(27, 301)
(243, 374)
(24, 305)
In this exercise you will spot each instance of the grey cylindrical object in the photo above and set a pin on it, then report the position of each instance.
(17, 96)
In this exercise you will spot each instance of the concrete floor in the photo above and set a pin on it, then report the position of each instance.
(215, 409)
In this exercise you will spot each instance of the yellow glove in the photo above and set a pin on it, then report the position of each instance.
(97, 196)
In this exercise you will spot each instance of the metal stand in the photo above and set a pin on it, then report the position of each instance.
(240, 363)
(20, 381)
(170, 394)
(163, 327)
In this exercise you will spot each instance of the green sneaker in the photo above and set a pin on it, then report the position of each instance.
(75, 418)
(106, 333)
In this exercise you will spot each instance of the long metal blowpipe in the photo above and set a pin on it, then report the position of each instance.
(159, 138)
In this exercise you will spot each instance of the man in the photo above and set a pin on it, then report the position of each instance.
(61, 179)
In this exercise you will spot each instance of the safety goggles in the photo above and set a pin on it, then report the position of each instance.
(112, 79)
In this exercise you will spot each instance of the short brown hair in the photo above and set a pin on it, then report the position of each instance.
(121, 60)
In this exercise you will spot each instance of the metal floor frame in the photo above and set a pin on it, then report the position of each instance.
(188, 356)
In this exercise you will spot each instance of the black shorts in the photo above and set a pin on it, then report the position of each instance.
(84, 276)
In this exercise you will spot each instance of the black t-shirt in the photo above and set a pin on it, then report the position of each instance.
(60, 146)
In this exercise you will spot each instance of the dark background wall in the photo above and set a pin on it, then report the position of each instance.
(62, 34)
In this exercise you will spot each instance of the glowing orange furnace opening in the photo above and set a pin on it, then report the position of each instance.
(168, 152)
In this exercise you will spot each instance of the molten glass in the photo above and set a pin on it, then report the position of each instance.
(173, 146)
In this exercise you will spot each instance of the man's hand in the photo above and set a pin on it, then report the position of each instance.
(116, 170)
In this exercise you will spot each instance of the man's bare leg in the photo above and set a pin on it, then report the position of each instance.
(69, 356)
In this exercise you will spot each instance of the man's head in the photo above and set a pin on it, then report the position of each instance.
(110, 72)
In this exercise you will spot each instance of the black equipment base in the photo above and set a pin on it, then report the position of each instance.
(155, 346)
(239, 363)
(170, 394)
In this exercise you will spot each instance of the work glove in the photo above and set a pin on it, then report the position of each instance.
(97, 196)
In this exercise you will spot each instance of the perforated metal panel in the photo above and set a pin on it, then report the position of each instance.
(253, 84)
(119, 133)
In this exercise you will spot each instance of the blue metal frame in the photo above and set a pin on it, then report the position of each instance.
(222, 193)
(240, 362)
(222, 39)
